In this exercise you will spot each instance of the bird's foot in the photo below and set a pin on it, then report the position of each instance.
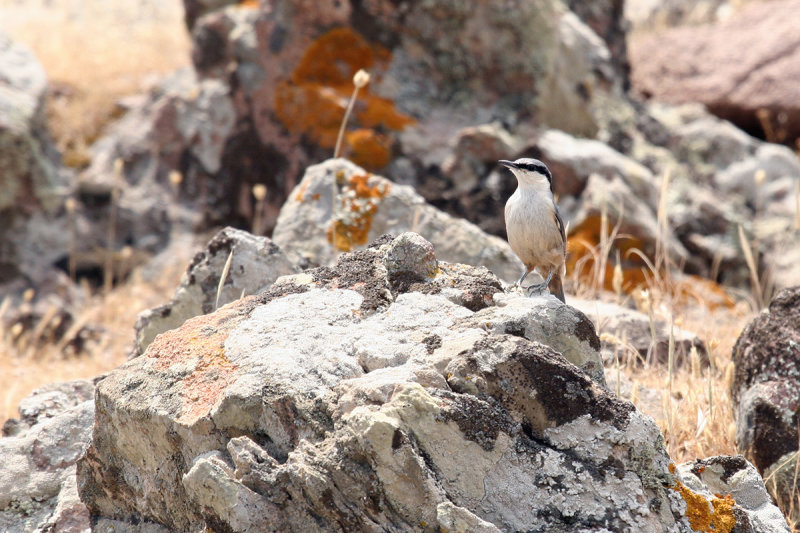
(539, 287)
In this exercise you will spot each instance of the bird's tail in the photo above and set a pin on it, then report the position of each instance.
(556, 287)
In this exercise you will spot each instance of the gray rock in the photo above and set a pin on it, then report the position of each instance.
(256, 263)
(310, 229)
(32, 187)
(724, 479)
(37, 475)
(781, 481)
(573, 160)
(49, 401)
(766, 388)
(545, 320)
(362, 398)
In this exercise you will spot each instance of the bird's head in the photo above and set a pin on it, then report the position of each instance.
(530, 172)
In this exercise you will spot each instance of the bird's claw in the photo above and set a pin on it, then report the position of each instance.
(539, 287)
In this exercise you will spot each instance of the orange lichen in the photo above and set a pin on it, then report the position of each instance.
(588, 237)
(695, 289)
(717, 517)
(249, 4)
(359, 202)
(312, 101)
(301, 192)
(368, 149)
(200, 340)
(585, 241)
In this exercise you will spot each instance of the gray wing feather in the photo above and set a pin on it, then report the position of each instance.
(560, 224)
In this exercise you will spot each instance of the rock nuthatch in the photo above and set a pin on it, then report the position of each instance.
(534, 226)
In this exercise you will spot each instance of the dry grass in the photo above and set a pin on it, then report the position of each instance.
(695, 412)
(95, 52)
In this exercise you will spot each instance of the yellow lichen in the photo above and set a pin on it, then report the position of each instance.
(586, 238)
(359, 202)
(704, 516)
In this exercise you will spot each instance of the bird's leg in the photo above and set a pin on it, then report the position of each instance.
(524, 275)
(540, 286)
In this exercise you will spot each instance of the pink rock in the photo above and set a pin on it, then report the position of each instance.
(746, 65)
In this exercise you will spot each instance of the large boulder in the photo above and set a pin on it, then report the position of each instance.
(755, 88)
(388, 392)
(314, 226)
(766, 388)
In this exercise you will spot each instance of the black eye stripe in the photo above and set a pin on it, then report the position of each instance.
(534, 166)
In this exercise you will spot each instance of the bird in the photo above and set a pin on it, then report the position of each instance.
(534, 225)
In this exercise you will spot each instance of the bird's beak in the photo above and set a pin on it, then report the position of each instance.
(506, 163)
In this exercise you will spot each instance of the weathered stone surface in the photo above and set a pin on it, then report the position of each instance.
(47, 402)
(722, 480)
(695, 64)
(766, 387)
(368, 396)
(256, 263)
(728, 179)
(37, 473)
(543, 319)
(314, 228)
(627, 329)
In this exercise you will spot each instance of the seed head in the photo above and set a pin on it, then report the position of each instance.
(361, 78)
(260, 191)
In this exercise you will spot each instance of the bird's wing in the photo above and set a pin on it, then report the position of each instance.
(560, 224)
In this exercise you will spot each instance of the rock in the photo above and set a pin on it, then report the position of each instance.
(733, 180)
(37, 475)
(622, 329)
(562, 327)
(573, 160)
(49, 401)
(310, 229)
(781, 481)
(459, 67)
(32, 187)
(256, 263)
(766, 388)
(168, 144)
(754, 89)
(723, 480)
(30, 178)
(368, 396)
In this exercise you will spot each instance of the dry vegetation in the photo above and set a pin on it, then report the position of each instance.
(94, 53)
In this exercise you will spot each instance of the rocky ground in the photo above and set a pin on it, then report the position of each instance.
(368, 367)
